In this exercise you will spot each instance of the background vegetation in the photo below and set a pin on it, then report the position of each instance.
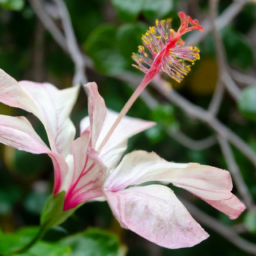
(107, 32)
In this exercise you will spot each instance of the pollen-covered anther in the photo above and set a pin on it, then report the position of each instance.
(162, 42)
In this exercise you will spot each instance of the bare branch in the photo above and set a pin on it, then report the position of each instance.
(225, 18)
(183, 139)
(203, 115)
(190, 143)
(221, 58)
(79, 77)
(230, 85)
(216, 99)
(242, 78)
(49, 24)
(234, 169)
(221, 229)
(68, 42)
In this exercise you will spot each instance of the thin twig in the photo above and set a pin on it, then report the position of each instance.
(49, 24)
(242, 78)
(230, 85)
(196, 112)
(68, 42)
(221, 229)
(187, 142)
(236, 174)
(79, 77)
(177, 135)
(224, 76)
(219, 90)
(203, 115)
(224, 19)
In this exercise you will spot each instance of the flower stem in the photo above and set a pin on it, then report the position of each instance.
(38, 236)
(146, 80)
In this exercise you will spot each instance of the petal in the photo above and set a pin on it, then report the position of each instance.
(53, 109)
(112, 152)
(88, 175)
(97, 111)
(18, 133)
(49, 104)
(12, 94)
(140, 166)
(231, 207)
(155, 213)
(209, 183)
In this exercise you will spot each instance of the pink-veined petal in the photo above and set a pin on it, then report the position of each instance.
(54, 107)
(113, 150)
(155, 213)
(97, 111)
(13, 95)
(208, 183)
(88, 174)
(50, 105)
(18, 133)
(231, 207)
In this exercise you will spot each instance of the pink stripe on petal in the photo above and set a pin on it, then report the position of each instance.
(88, 175)
(18, 133)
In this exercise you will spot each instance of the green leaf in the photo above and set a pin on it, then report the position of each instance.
(155, 134)
(12, 5)
(53, 213)
(94, 242)
(102, 47)
(153, 9)
(128, 10)
(163, 114)
(239, 52)
(43, 249)
(250, 221)
(11, 242)
(129, 37)
(247, 102)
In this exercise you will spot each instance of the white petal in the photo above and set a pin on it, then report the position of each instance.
(140, 166)
(209, 183)
(88, 174)
(155, 213)
(97, 111)
(54, 107)
(49, 104)
(112, 152)
(18, 133)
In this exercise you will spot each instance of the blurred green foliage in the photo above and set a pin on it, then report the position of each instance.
(247, 102)
(109, 31)
(12, 5)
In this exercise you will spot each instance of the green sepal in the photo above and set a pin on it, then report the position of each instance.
(53, 213)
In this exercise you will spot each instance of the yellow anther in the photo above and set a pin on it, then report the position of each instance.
(169, 20)
(152, 30)
(157, 22)
(141, 48)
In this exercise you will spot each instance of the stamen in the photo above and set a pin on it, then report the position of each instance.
(164, 51)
